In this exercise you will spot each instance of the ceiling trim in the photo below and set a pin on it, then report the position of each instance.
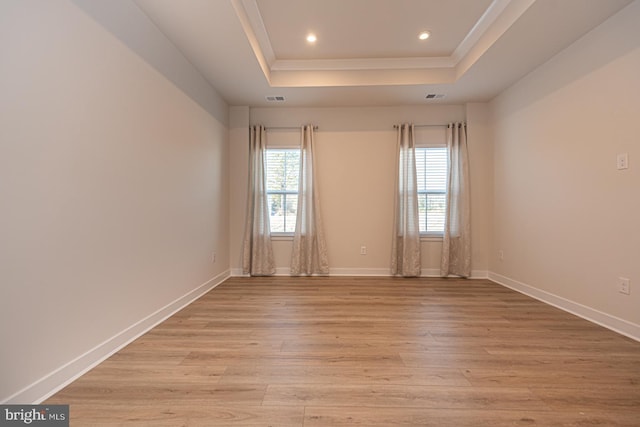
(489, 17)
(257, 26)
(506, 14)
(254, 40)
(496, 20)
(335, 78)
(362, 64)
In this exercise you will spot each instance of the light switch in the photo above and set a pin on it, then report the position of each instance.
(622, 161)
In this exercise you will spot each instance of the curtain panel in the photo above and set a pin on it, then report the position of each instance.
(257, 252)
(309, 251)
(456, 243)
(406, 257)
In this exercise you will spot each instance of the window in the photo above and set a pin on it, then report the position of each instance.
(431, 168)
(282, 170)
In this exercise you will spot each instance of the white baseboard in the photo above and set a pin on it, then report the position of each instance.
(366, 272)
(608, 321)
(237, 272)
(282, 271)
(363, 272)
(479, 274)
(69, 372)
(435, 272)
(286, 271)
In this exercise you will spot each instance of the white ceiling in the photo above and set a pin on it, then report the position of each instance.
(368, 52)
(368, 29)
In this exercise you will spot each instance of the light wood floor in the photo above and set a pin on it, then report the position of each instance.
(365, 351)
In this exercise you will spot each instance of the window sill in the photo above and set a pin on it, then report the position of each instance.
(281, 236)
(423, 237)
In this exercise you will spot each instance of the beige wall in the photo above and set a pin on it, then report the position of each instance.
(113, 187)
(356, 164)
(238, 180)
(481, 183)
(567, 221)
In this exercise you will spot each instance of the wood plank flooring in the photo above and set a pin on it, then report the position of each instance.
(368, 352)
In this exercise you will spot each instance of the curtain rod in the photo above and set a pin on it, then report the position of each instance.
(287, 128)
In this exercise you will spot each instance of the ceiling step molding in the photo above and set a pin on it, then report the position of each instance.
(493, 23)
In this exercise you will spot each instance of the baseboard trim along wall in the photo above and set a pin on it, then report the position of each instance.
(435, 272)
(363, 272)
(64, 375)
(366, 272)
(608, 321)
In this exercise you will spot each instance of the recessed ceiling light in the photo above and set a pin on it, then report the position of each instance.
(311, 38)
(424, 35)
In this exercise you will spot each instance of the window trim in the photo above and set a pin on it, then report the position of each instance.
(431, 237)
(279, 236)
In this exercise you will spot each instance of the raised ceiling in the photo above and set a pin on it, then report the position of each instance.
(368, 52)
(362, 29)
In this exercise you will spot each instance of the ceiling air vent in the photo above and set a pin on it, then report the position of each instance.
(275, 98)
(434, 96)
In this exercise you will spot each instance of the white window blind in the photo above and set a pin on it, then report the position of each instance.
(282, 170)
(431, 168)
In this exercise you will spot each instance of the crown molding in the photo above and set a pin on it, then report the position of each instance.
(362, 64)
(496, 20)
(491, 26)
(255, 41)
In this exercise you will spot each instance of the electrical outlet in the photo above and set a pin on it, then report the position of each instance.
(363, 250)
(624, 285)
(622, 161)
(501, 255)
(213, 257)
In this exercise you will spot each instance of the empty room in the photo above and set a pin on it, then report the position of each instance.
(320, 212)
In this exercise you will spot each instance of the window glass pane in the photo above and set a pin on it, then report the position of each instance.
(282, 172)
(436, 205)
(276, 213)
(292, 169)
(421, 156)
(275, 167)
(291, 205)
(436, 169)
(431, 170)
(422, 211)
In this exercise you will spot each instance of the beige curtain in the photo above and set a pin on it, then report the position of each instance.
(456, 245)
(309, 252)
(405, 259)
(257, 253)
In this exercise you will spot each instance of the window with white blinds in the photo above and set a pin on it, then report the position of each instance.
(431, 168)
(282, 172)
